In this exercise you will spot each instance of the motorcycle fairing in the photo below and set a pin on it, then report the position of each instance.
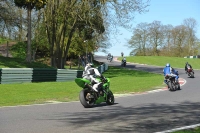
(81, 82)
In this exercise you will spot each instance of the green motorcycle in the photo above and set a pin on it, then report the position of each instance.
(88, 97)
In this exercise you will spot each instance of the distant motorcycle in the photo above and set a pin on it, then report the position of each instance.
(123, 63)
(110, 58)
(190, 72)
(171, 83)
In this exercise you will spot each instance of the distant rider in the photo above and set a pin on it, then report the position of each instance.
(122, 54)
(109, 55)
(89, 74)
(186, 67)
(111, 58)
(168, 70)
(124, 59)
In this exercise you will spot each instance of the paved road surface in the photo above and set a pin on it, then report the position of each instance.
(145, 113)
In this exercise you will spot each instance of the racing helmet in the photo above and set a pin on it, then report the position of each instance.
(167, 65)
(90, 65)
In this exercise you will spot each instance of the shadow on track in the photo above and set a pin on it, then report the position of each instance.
(102, 105)
(147, 119)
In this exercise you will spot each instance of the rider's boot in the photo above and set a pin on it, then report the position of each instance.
(165, 81)
(177, 81)
(98, 88)
(95, 87)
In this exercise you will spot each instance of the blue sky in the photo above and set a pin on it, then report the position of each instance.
(167, 11)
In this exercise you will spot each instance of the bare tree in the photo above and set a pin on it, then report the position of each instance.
(135, 42)
(140, 37)
(156, 36)
(191, 25)
(168, 38)
(179, 34)
(165, 39)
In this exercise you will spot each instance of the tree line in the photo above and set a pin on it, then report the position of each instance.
(64, 28)
(165, 40)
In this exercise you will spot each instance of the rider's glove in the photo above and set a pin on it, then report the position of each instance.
(103, 78)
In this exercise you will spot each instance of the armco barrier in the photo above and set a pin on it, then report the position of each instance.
(103, 68)
(44, 74)
(197, 56)
(22, 75)
(16, 75)
(65, 75)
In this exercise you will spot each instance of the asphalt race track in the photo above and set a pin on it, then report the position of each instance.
(145, 113)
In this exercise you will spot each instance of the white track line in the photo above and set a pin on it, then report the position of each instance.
(181, 128)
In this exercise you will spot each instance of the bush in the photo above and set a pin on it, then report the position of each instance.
(19, 50)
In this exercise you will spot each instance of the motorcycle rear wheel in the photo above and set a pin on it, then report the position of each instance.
(85, 101)
(124, 64)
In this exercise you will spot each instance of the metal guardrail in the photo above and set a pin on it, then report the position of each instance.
(44, 75)
(66, 75)
(16, 75)
(197, 56)
(29, 75)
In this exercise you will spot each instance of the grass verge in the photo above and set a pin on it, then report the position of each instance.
(7, 62)
(122, 81)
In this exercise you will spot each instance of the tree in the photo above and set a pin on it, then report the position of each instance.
(65, 18)
(191, 25)
(181, 36)
(168, 38)
(136, 42)
(139, 40)
(144, 28)
(8, 19)
(29, 5)
(156, 36)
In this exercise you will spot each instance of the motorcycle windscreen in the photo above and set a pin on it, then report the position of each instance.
(81, 82)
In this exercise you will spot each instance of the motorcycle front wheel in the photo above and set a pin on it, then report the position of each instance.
(178, 86)
(110, 98)
(171, 86)
(85, 98)
(191, 74)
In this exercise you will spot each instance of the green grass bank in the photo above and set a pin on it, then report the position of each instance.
(122, 81)
(176, 62)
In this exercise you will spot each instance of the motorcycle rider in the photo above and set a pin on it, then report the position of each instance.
(110, 58)
(122, 54)
(89, 73)
(186, 67)
(168, 70)
(123, 60)
(109, 55)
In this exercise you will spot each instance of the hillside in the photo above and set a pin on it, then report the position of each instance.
(3, 49)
